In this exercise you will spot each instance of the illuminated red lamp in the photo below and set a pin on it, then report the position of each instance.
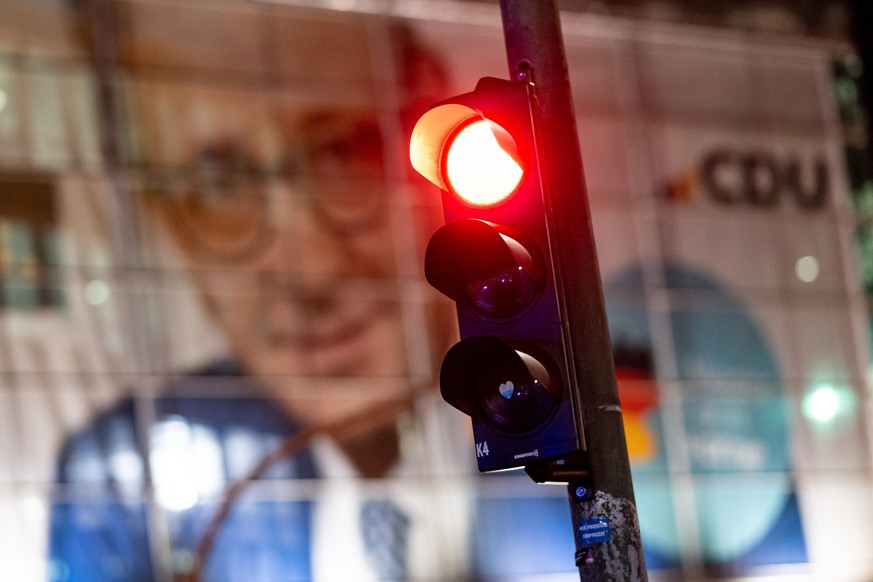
(461, 152)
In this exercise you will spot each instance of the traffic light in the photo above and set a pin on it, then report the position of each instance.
(511, 370)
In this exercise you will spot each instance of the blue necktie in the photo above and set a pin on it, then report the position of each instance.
(384, 528)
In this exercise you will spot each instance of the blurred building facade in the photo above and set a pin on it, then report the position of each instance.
(184, 182)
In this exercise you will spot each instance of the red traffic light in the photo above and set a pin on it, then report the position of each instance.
(478, 167)
(493, 258)
(460, 151)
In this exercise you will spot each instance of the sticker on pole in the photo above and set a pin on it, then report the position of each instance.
(593, 531)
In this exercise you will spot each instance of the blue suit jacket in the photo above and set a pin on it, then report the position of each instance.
(104, 529)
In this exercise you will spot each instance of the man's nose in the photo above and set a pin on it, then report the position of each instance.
(326, 252)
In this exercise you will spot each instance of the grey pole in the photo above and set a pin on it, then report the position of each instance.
(605, 522)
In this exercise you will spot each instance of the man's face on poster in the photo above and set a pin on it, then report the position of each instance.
(281, 211)
(270, 180)
(282, 214)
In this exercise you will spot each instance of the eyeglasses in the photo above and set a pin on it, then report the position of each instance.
(226, 205)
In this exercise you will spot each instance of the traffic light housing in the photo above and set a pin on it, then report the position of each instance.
(511, 370)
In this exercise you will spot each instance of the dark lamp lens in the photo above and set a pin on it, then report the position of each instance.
(504, 294)
(513, 402)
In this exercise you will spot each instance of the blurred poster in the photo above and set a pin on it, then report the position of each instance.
(723, 417)
(282, 241)
(744, 232)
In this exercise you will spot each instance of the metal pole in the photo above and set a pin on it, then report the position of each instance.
(605, 522)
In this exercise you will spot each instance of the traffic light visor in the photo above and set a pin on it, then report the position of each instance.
(460, 151)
